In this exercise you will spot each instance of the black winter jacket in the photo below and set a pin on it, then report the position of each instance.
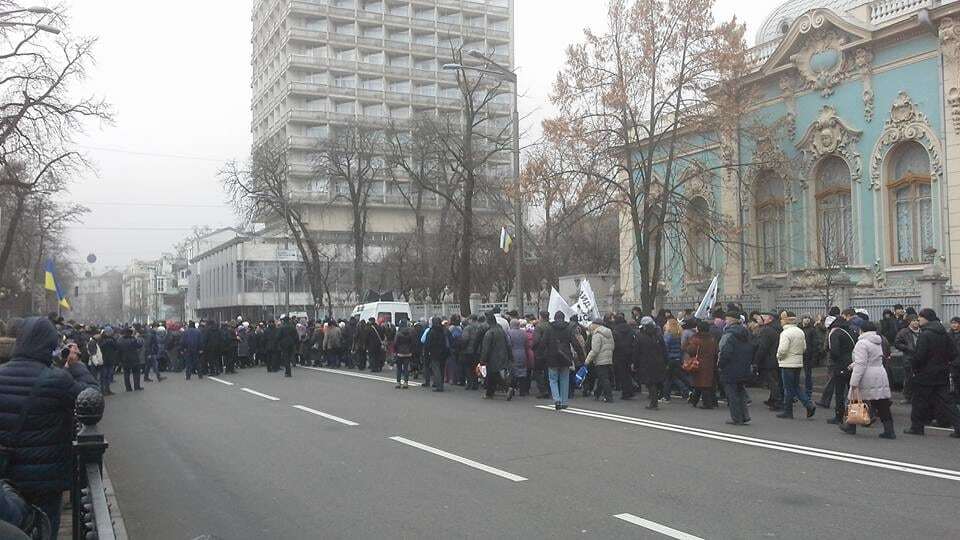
(931, 364)
(768, 339)
(736, 355)
(41, 461)
(129, 351)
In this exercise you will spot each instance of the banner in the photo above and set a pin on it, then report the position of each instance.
(709, 300)
(586, 305)
(557, 303)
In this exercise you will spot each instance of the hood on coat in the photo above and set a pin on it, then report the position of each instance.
(604, 331)
(935, 327)
(37, 340)
(738, 331)
(871, 337)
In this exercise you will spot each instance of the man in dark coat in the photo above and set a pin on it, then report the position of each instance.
(270, 337)
(540, 355)
(906, 342)
(436, 349)
(735, 359)
(651, 359)
(841, 340)
(478, 329)
(624, 352)
(228, 349)
(375, 352)
(287, 341)
(130, 347)
(111, 359)
(495, 354)
(37, 415)
(765, 359)
(212, 343)
(190, 346)
(931, 376)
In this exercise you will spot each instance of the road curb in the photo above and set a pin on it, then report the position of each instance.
(119, 526)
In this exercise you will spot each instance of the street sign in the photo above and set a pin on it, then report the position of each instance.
(288, 255)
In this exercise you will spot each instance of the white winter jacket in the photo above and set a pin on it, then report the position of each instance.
(867, 372)
(793, 343)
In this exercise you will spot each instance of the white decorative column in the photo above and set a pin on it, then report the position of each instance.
(950, 187)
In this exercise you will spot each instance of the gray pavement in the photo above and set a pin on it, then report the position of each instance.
(203, 457)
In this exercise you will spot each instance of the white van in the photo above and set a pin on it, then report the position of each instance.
(383, 311)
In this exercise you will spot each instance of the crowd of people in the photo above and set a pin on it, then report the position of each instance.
(45, 362)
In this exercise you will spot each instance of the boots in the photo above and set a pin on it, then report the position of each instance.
(888, 432)
(787, 411)
(849, 429)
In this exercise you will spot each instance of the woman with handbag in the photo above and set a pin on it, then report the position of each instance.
(869, 385)
(701, 363)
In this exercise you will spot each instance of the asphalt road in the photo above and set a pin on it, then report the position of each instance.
(332, 455)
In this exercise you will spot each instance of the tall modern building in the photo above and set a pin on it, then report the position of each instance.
(320, 63)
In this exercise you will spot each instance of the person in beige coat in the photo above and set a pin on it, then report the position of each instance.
(601, 358)
(868, 380)
(793, 343)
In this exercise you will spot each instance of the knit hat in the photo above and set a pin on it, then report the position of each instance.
(647, 321)
(929, 314)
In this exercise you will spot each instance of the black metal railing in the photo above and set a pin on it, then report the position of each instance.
(91, 510)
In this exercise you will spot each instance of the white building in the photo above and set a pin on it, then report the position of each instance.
(321, 63)
(98, 298)
(151, 290)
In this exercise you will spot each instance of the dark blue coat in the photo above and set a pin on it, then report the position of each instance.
(191, 343)
(736, 355)
(41, 461)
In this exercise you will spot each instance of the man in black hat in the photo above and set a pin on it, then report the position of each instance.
(765, 359)
(931, 376)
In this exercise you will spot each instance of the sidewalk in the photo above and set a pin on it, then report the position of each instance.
(66, 518)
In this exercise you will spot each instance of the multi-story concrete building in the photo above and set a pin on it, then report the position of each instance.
(322, 63)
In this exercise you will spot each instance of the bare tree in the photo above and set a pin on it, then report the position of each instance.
(39, 115)
(351, 161)
(260, 191)
(631, 96)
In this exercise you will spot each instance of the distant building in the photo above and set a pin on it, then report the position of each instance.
(256, 276)
(151, 290)
(98, 298)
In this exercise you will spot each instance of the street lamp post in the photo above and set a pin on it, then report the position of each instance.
(511, 77)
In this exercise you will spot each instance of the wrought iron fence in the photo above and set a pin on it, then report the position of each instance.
(91, 511)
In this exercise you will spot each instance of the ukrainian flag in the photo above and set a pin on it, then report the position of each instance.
(50, 284)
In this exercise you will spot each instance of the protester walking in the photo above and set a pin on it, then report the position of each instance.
(790, 352)
(868, 380)
(703, 348)
(495, 355)
(651, 360)
(735, 361)
(931, 376)
(600, 358)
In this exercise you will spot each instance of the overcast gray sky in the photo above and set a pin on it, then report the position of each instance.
(177, 74)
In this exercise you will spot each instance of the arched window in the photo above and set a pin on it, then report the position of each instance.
(911, 204)
(769, 204)
(835, 234)
(698, 218)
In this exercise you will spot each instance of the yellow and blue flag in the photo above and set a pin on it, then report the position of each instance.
(50, 283)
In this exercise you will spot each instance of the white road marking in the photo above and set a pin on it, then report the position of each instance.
(459, 459)
(264, 396)
(221, 381)
(325, 415)
(359, 375)
(656, 527)
(911, 468)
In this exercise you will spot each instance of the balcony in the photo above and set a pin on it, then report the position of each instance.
(302, 142)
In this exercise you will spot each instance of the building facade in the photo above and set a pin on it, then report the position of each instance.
(151, 290)
(859, 190)
(318, 64)
(98, 298)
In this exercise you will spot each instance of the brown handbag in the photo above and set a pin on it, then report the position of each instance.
(858, 414)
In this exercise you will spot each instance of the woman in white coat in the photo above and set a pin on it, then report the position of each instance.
(868, 380)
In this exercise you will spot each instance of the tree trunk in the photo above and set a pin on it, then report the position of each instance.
(12, 228)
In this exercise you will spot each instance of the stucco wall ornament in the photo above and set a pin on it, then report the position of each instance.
(822, 62)
(906, 123)
(788, 85)
(864, 61)
(950, 45)
(829, 135)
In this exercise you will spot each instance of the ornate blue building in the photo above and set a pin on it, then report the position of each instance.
(866, 97)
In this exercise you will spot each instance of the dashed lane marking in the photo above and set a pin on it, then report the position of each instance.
(264, 396)
(460, 459)
(656, 527)
(221, 381)
(326, 415)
